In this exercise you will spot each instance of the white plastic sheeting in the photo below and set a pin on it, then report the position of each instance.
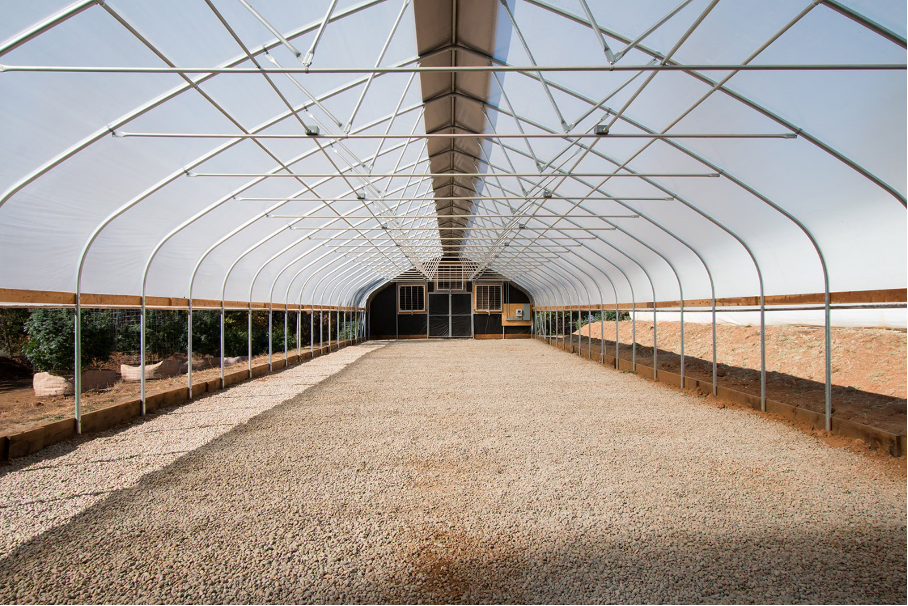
(213, 213)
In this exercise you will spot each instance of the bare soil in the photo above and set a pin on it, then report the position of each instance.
(21, 410)
(868, 364)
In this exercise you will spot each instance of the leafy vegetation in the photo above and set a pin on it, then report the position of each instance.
(51, 340)
(12, 332)
(46, 338)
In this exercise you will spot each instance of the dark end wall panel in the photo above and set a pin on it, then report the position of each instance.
(383, 312)
(386, 322)
(411, 325)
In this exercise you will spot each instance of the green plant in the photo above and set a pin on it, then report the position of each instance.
(12, 332)
(50, 343)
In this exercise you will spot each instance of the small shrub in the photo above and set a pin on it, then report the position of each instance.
(51, 340)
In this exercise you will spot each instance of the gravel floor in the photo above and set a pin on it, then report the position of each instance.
(52, 486)
(473, 471)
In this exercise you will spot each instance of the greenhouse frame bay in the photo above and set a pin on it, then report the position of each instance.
(250, 155)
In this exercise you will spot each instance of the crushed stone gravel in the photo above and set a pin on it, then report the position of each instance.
(472, 471)
(52, 486)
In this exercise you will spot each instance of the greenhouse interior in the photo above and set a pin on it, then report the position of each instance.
(470, 301)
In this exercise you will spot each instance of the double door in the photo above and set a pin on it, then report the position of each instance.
(450, 314)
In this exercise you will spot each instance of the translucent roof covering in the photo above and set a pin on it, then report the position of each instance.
(592, 152)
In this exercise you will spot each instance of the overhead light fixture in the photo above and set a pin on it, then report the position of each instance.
(546, 193)
(360, 195)
(522, 226)
(312, 131)
(601, 129)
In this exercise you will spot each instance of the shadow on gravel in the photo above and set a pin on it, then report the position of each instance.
(46, 458)
(185, 556)
(664, 567)
(232, 522)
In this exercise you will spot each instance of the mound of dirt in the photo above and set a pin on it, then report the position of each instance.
(868, 364)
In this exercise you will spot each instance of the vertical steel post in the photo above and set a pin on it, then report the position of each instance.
(715, 366)
(589, 341)
(633, 334)
(249, 340)
(579, 333)
(311, 333)
(602, 333)
(762, 353)
(285, 335)
(655, 346)
(617, 334)
(270, 333)
(189, 352)
(828, 323)
(77, 363)
(299, 334)
(142, 359)
(222, 343)
(682, 343)
(329, 331)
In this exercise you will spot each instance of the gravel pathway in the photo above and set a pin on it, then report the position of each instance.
(52, 486)
(478, 471)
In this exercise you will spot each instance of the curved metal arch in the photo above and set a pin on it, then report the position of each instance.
(558, 295)
(349, 292)
(731, 93)
(271, 292)
(297, 259)
(210, 249)
(331, 272)
(341, 217)
(790, 216)
(620, 202)
(670, 233)
(346, 281)
(664, 258)
(134, 202)
(566, 258)
(366, 291)
(133, 30)
(46, 25)
(237, 230)
(163, 98)
(687, 203)
(568, 282)
(327, 267)
(300, 271)
(597, 236)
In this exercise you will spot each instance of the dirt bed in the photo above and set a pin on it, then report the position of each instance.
(20, 409)
(473, 472)
(868, 365)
